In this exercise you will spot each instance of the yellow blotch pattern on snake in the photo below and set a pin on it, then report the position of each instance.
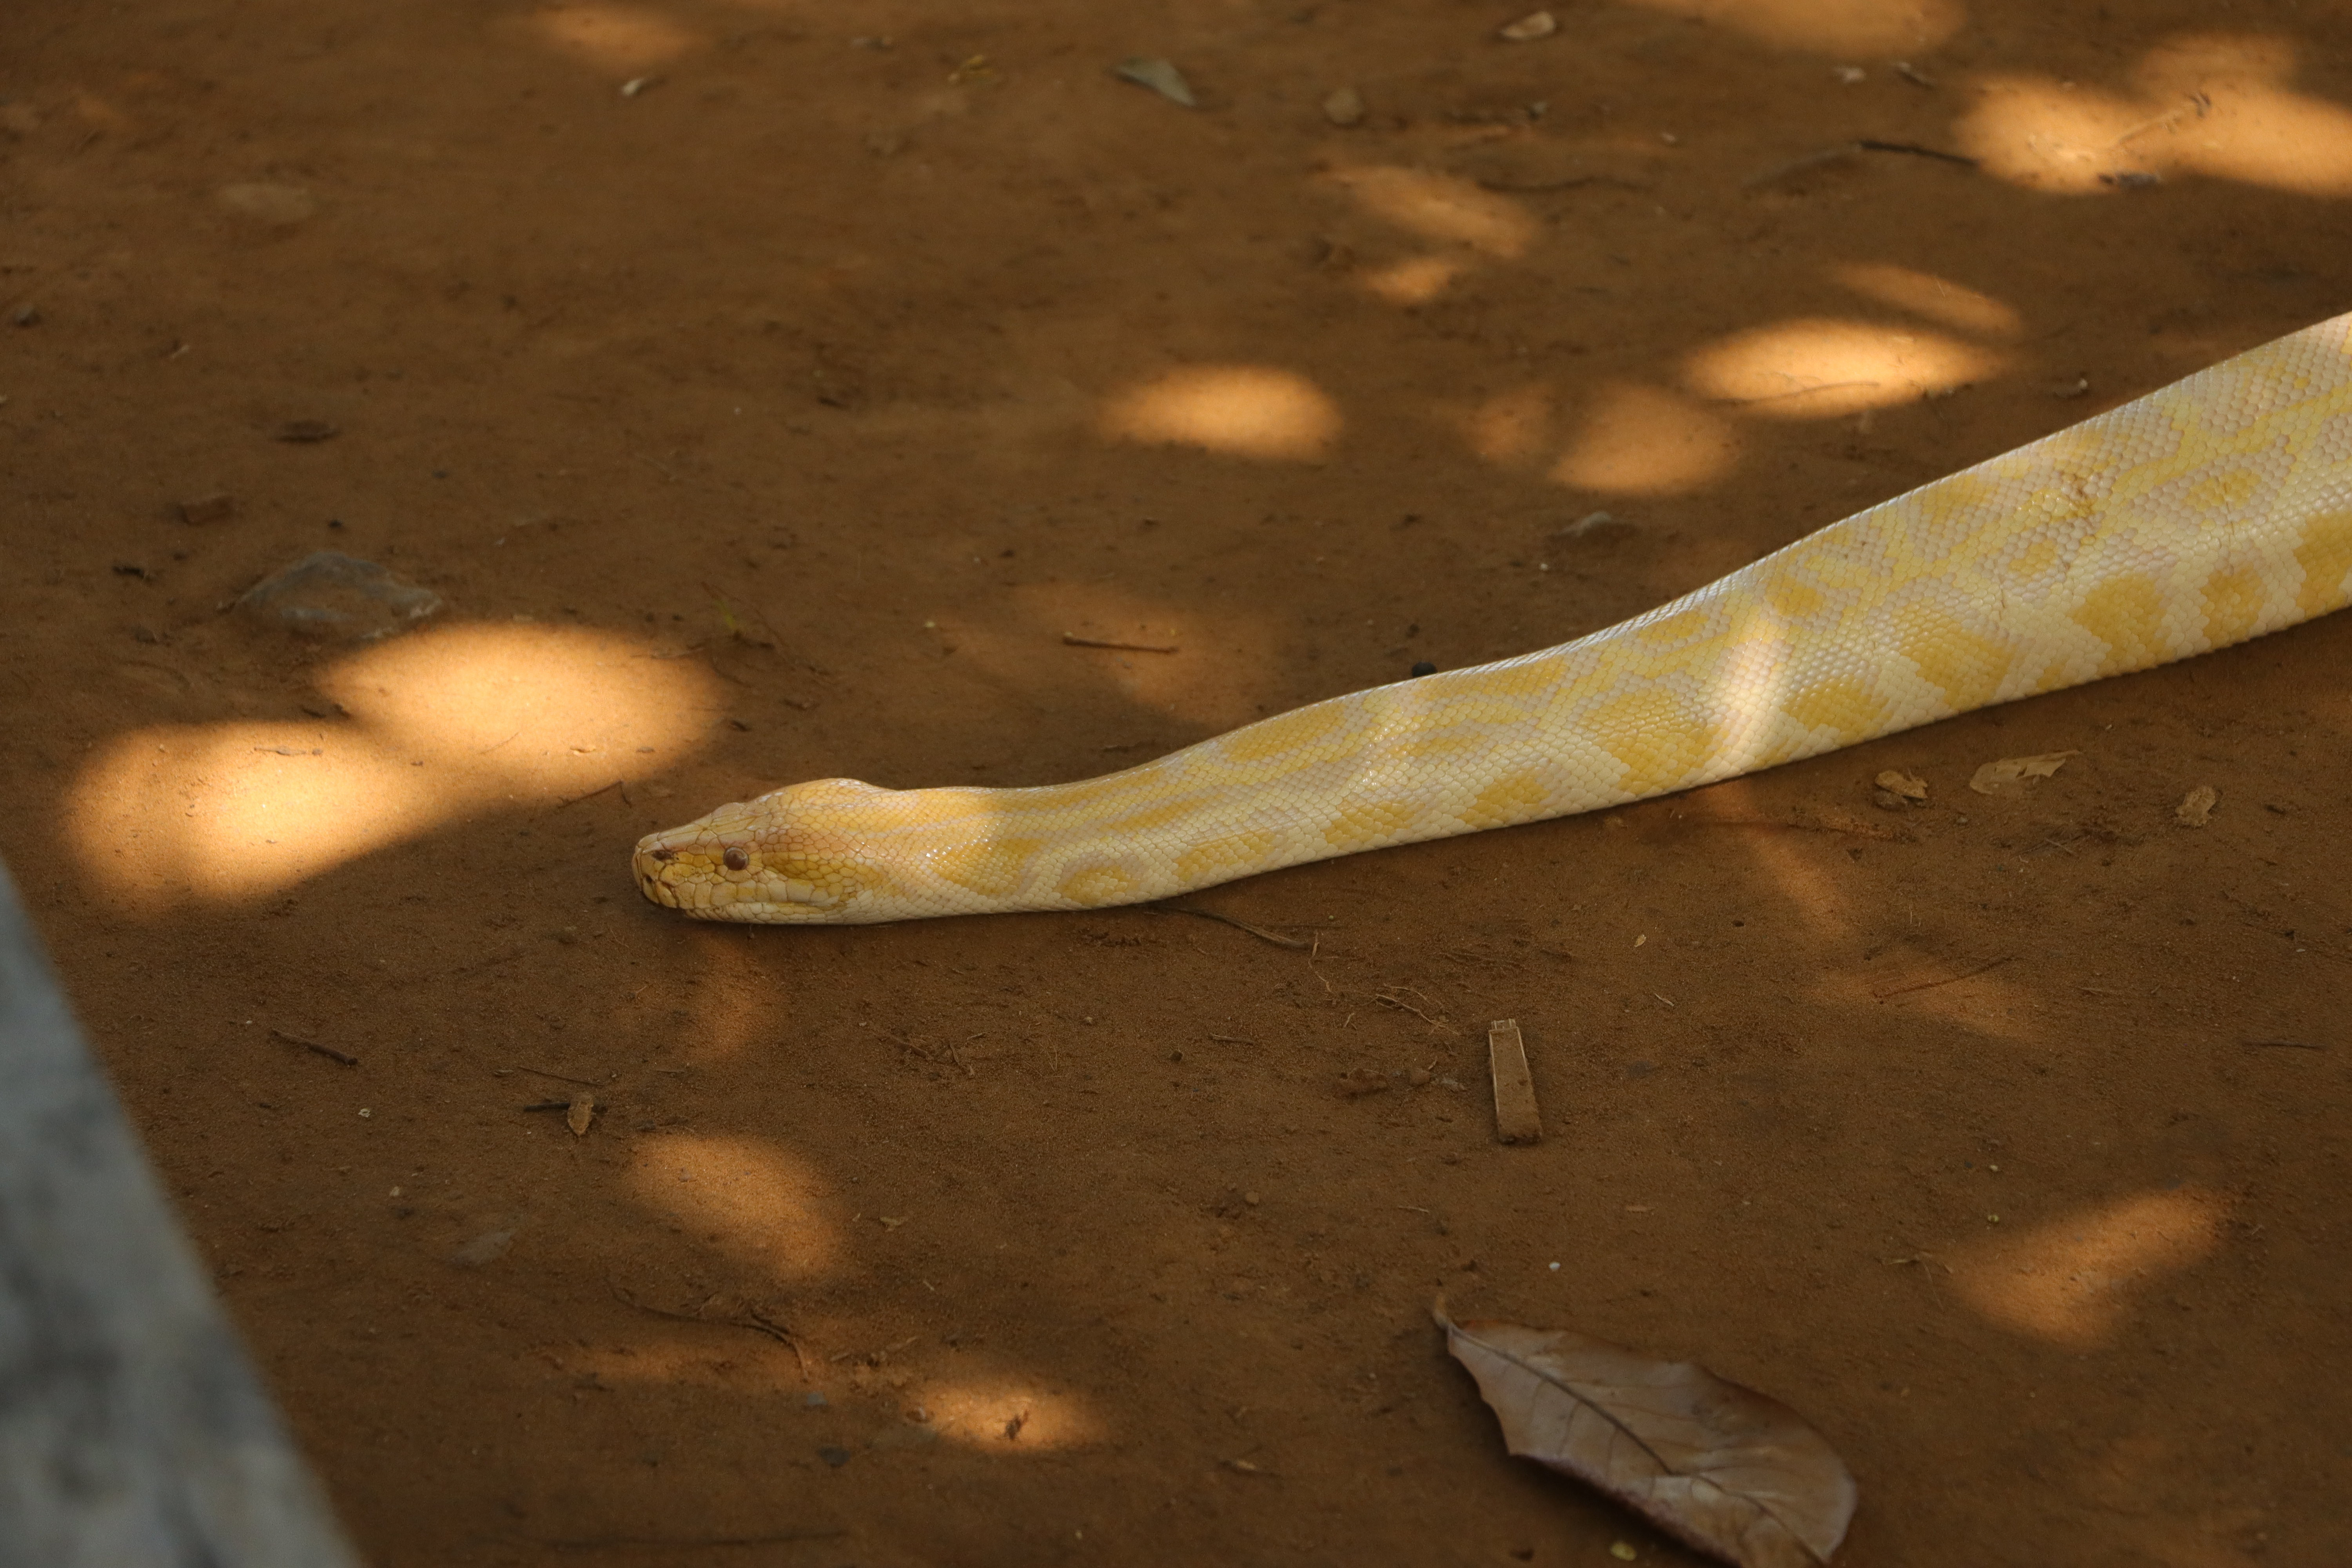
(2212, 512)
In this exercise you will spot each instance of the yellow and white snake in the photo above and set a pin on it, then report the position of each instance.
(2212, 512)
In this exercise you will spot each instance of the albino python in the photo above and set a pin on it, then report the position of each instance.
(2214, 510)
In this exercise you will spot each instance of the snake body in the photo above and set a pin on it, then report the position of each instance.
(2213, 510)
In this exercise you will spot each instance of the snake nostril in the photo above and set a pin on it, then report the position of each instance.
(664, 855)
(735, 859)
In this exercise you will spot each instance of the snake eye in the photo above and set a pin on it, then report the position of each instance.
(735, 858)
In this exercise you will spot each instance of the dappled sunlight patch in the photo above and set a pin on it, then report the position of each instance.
(1010, 1415)
(1819, 369)
(1810, 891)
(1938, 299)
(1848, 29)
(1637, 439)
(1512, 427)
(1416, 280)
(735, 1006)
(2044, 135)
(745, 1196)
(1247, 411)
(2212, 106)
(443, 725)
(616, 36)
(2070, 1281)
(1441, 207)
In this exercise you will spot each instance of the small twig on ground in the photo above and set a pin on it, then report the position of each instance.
(328, 1052)
(1072, 639)
(1844, 150)
(561, 1078)
(1946, 980)
(504, 955)
(901, 1042)
(1793, 392)
(592, 794)
(1569, 182)
(2285, 1045)
(2197, 102)
(1394, 997)
(1916, 151)
(1258, 932)
(751, 1317)
(1314, 951)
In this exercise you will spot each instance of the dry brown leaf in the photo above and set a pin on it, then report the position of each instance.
(2007, 776)
(1909, 786)
(582, 1112)
(2197, 807)
(1720, 1466)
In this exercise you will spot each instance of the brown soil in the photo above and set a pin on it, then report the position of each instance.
(781, 416)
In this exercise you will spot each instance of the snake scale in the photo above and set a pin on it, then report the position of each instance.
(2213, 510)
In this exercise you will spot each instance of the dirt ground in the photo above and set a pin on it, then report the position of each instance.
(768, 387)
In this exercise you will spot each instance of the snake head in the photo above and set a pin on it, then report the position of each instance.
(787, 858)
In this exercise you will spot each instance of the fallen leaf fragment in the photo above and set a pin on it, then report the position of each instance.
(2010, 774)
(1722, 1467)
(1160, 76)
(580, 1114)
(1907, 787)
(2197, 807)
(1528, 28)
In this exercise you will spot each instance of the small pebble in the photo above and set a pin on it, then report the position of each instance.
(1344, 108)
(1417, 1077)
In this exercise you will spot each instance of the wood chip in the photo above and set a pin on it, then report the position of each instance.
(1516, 1120)
(1072, 639)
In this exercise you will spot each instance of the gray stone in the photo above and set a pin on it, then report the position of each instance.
(337, 596)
